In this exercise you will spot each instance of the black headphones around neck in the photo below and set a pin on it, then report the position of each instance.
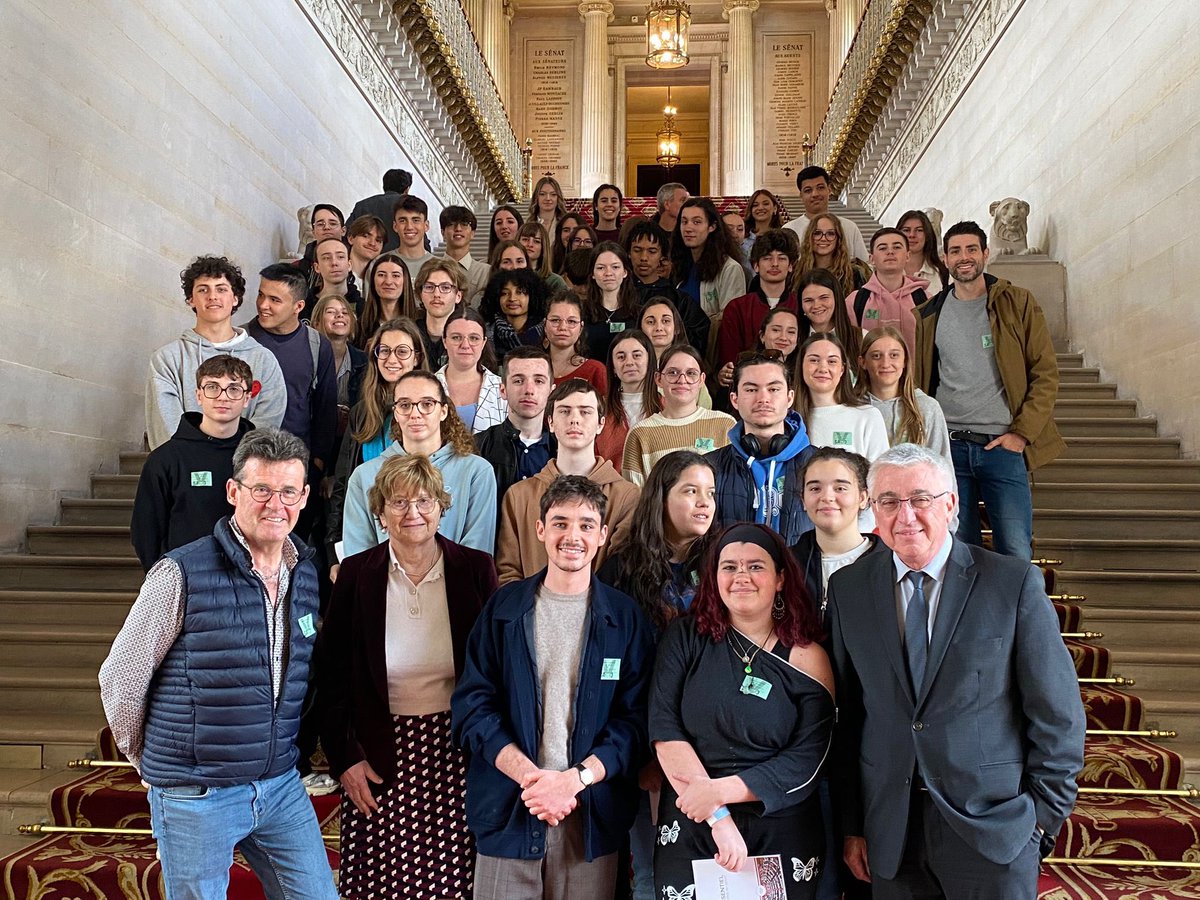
(777, 444)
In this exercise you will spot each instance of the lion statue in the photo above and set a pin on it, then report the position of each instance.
(1010, 228)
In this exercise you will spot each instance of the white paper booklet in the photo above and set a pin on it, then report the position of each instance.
(761, 878)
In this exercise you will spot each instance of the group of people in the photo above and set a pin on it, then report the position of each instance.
(611, 576)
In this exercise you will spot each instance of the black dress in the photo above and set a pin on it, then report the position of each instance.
(776, 743)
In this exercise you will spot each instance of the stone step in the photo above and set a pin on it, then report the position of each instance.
(89, 511)
(1100, 471)
(1092, 408)
(1134, 555)
(1081, 522)
(1138, 628)
(38, 688)
(25, 795)
(68, 646)
(79, 540)
(49, 573)
(1070, 495)
(131, 462)
(1100, 426)
(100, 609)
(1087, 390)
(114, 487)
(1151, 590)
(1159, 668)
(50, 737)
(1070, 360)
(1079, 375)
(1127, 448)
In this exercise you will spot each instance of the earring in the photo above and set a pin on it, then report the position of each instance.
(777, 607)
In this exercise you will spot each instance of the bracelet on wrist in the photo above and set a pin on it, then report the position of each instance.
(721, 812)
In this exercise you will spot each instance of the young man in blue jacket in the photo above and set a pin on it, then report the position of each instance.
(552, 708)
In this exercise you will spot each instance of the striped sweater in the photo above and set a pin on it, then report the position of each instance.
(656, 436)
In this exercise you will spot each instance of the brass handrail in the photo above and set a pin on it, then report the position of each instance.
(1082, 635)
(1116, 679)
(1046, 561)
(1185, 791)
(1117, 732)
(1068, 598)
(119, 832)
(1110, 861)
(99, 764)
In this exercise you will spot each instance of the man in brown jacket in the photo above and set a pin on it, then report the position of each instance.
(576, 413)
(984, 352)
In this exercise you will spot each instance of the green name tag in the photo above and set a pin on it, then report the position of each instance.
(610, 670)
(202, 479)
(988, 343)
(871, 314)
(306, 625)
(756, 687)
(705, 444)
(614, 327)
(843, 439)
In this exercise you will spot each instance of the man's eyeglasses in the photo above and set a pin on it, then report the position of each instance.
(919, 502)
(687, 376)
(400, 505)
(424, 407)
(288, 496)
(402, 352)
(444, 289)
(212, 391)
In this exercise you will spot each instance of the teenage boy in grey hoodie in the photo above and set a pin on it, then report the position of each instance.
(213, 287)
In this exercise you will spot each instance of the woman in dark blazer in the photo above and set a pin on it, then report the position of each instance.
(393, 645)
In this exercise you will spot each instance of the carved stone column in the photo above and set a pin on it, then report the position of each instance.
(474, 11)
(739, 169)
(508, 9)
(596, 136)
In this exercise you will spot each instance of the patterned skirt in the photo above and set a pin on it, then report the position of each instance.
(417, 844)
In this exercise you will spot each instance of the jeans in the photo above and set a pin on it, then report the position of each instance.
(641, 845)
(999, 478)
(271, 821)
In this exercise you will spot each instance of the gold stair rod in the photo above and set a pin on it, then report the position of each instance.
(1043, 561)
(1151, 733)
(1082, 635)
(1068, 598)
(119, 832)
(1186, 791)
(1116, 679)
(99, 764)
(1083, 861)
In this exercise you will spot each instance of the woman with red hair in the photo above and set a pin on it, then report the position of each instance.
(741, 718)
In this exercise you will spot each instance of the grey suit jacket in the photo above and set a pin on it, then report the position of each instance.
(997, 727)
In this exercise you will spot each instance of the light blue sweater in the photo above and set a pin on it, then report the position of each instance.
(470, 520)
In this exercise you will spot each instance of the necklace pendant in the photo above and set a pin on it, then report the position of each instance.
(748, 668)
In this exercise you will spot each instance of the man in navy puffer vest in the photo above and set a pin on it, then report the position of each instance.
(204, 684)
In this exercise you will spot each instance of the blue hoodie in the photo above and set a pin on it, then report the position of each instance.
(470, 520)
(765, 489)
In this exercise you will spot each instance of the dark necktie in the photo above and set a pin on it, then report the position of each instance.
(916, 630)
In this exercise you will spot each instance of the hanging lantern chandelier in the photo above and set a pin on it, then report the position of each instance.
(668, 137)
(667, 23)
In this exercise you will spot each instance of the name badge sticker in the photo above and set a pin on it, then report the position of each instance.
(705, 444)
(843, 439)
(871, 314)
(756, 687)
(306, 625)
(616, 327)
(987, 341)
(202, 479)
(610, 669)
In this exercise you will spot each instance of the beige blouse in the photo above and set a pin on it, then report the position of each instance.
(418, 647)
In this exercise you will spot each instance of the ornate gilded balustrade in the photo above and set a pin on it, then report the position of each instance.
(446, 47)
(878, 56)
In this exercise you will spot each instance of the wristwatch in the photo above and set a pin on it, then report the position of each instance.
(585, 775)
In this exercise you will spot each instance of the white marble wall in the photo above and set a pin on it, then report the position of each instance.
(1089, 111)
(136, 135)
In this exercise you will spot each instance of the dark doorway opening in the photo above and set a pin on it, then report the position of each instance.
(651, 178)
